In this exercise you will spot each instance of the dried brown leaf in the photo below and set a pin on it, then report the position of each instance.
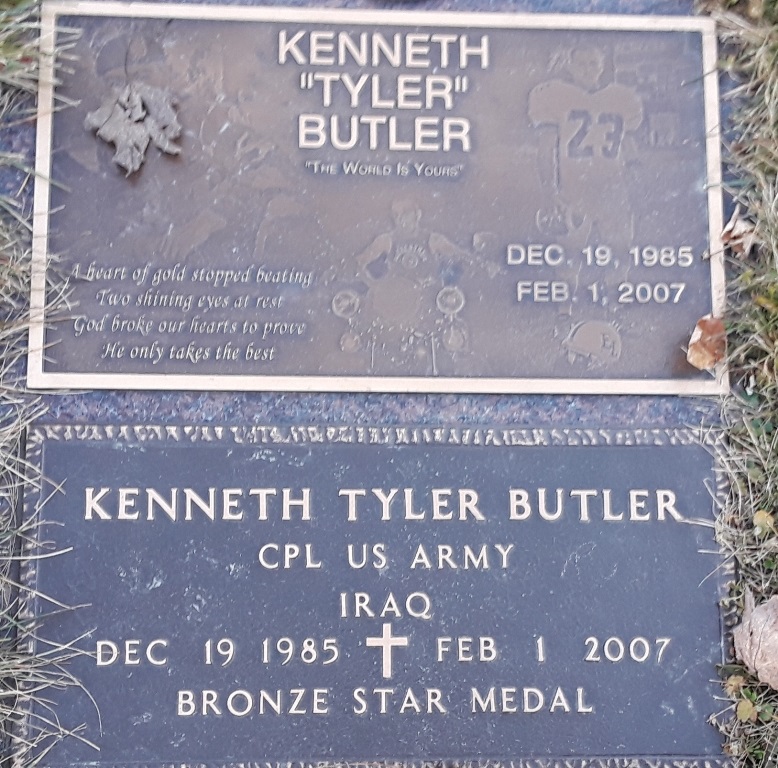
(708, 343)
(734, 684)
(756, 639)
(764, 522)
(739, 234)
(747, 711)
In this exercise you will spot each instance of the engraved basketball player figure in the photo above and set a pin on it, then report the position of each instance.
(583, 156)
(404, 305)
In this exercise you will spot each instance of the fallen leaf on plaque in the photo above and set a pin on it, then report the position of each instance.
(739, 234)
(756, 639)
(131, 118)
(708, 343)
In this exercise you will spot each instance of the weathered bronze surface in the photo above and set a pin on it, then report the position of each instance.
(398, 201)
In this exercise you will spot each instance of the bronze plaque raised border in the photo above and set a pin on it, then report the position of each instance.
(379, 201)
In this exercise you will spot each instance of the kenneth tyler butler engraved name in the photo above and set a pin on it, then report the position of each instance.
(379, 504)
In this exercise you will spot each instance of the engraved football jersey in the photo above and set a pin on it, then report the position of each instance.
(588, 164)
(591, 128)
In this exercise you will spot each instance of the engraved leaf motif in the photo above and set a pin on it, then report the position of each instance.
(133, 117)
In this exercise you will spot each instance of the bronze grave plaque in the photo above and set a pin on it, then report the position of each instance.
(277, 199)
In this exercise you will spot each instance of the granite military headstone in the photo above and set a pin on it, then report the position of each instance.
(355, 594)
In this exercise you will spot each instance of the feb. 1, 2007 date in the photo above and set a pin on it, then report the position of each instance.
(641, 293)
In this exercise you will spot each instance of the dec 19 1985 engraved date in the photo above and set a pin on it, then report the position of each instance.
(602, 257)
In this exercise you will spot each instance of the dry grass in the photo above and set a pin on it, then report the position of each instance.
(748, 523)
(25, 677)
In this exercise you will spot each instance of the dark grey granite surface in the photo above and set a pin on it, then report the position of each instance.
(395, 593)
(239, 408)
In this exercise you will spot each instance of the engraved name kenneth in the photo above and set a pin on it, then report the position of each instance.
(381, 504)
(380, 91)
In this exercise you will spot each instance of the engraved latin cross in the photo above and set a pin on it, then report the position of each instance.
(387, 643)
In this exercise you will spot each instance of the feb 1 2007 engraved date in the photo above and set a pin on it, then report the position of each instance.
(664, 262)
